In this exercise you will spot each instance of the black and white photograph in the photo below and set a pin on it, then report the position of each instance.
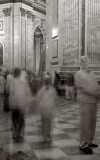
(49, 79)
(1, 25)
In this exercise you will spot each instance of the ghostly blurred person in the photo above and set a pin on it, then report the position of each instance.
(69, 88)
(8, 81)
(87, 95)
(9, 78)
(2, 83)
(46, 100)
(67, 91)
(19, 100)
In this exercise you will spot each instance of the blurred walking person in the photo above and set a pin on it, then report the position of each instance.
(46, 100)
(19, 100)
(87, 95)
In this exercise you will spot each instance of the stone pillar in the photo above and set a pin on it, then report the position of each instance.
(42, 65)
(80, 27)
(15, 35)
(49, 33)
(34, 60)
(61, 32)
(37, 54)
(7, 36)
(23, 37)
(83, 29)
(30, 48)
(27, 39)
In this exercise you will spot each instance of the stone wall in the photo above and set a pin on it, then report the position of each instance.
(93, 31)
(5, 33)
(17, 36)
(78, 34)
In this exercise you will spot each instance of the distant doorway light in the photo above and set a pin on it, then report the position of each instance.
(54, 32)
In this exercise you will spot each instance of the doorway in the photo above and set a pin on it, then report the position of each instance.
(39, 56)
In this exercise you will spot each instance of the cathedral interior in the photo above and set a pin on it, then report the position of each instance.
(49, 36)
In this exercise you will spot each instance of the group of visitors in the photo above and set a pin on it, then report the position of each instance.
(86, 90)
(64, 84)
(19, 98)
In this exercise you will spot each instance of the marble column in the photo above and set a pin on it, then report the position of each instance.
(23, 37)
(7, 36)
(16, 34)
(49, 34)
(83, 29)
(30, 54)
(37, 54)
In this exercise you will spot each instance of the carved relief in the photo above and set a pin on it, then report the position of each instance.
(33, 18)
(42, 22)
(40, 4)
(23, 12)
(29, 14)
(7, 11)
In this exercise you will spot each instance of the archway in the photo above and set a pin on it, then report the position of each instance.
(39, 56)
(1, 54)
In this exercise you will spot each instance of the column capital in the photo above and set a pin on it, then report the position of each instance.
(23, 12)
(33, 18)
(29, 14)
(7, 11)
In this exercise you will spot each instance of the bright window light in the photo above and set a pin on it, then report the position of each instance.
(54, 32)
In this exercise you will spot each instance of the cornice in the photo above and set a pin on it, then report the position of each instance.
(29, 14)
(37, 5)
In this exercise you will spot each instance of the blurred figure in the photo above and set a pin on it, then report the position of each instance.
(8, 81)
(57, 82)
(67, 91)
(2, 83)
(56, 78)
(6, 74)
(46, 100)
(87, 95)
(9, 78)
(57, 75)
(69, 88)
(19, 100)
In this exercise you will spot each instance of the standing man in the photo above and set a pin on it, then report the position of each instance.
(87, 95)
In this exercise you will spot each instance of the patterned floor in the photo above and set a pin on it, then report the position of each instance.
(65, 135)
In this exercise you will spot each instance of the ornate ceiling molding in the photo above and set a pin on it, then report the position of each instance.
(27, 13)
(37, 5)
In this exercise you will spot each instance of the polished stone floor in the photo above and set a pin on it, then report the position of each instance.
(65, 135)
